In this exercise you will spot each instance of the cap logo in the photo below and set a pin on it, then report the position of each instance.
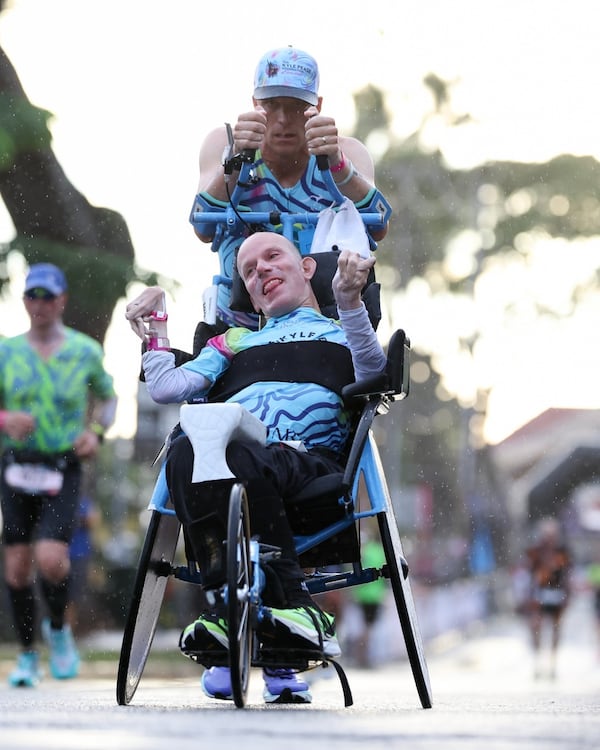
(273, 70)
(287, 72)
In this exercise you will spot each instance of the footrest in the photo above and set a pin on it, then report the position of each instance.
(293, 658)
(301, 661)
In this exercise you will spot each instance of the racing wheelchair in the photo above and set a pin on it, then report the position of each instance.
(325, 518)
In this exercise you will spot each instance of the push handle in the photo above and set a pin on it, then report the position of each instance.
(323, 162)
(237, 161)
(323, 165)
(231, 160)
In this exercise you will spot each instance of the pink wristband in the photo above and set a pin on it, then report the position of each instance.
(159, 315)
(3, 415)
(158, 344)
(340, 166)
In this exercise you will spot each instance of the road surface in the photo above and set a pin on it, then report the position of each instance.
(485, 698)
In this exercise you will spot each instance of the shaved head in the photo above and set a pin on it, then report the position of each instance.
(276, 276)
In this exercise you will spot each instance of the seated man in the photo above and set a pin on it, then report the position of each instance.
(278, 280)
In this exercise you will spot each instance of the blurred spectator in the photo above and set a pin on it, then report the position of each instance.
(594, 579)
(369, 598)
(549, 564)
(81, 550)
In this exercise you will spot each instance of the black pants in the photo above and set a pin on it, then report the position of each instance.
(271, 473)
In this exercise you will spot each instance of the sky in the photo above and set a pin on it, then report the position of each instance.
(135, 87)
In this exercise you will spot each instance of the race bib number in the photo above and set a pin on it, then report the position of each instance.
(34, 479)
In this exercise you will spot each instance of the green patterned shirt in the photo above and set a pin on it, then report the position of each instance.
(55, 391)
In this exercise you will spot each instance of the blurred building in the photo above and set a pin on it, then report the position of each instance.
(551, 467)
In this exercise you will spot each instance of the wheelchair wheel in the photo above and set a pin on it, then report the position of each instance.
(238, 594)
(151, 579)
(398, 572)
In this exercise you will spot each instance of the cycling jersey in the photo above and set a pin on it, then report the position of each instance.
(55, 390)
(291, 411)
(309, 194)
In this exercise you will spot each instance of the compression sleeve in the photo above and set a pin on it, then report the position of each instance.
(168, 384)
(368, 356)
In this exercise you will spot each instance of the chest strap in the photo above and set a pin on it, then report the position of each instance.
(322, 362)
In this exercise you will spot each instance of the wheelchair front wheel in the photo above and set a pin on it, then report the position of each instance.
(239, 582)
(398, 573)
(153, 572)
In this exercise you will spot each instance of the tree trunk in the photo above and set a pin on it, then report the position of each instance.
(54, 222)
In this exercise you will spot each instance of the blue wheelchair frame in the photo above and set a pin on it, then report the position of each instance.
(363, 465)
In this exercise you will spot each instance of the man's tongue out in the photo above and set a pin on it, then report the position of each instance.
(270, 285)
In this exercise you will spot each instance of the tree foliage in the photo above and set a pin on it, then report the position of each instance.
(500, 200)
(496, 210)
(55, 222)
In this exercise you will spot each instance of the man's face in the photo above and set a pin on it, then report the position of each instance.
(276, 276)
(43, 307)
(286, 121)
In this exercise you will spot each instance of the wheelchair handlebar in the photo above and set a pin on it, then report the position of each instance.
(233, 218)
(245, 159)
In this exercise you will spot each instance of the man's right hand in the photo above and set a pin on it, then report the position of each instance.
(249, 130)
(139, 310)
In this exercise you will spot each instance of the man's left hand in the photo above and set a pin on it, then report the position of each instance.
(322, 136)
(86, 445)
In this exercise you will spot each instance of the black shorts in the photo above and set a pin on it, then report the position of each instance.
(28, 518)
(553, 610)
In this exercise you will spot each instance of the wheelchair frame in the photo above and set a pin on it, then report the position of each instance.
(362, 480)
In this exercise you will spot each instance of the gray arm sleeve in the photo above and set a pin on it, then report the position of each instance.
(168, 384)
(368, 356)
